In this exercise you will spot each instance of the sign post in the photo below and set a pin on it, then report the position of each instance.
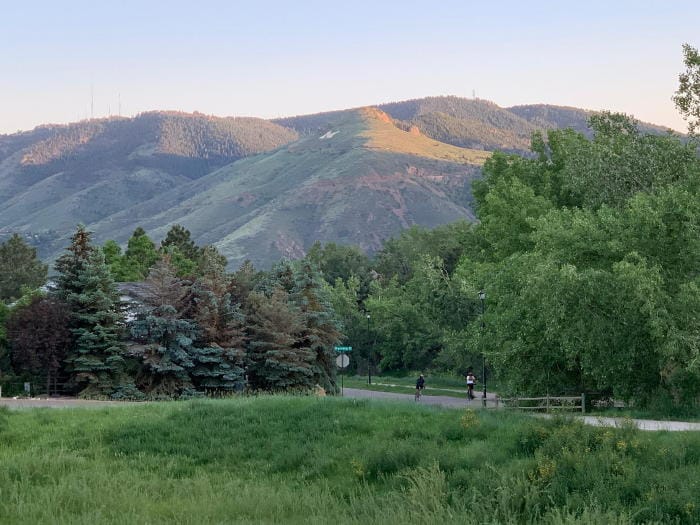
(342, 361)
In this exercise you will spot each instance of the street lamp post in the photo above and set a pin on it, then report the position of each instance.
(369, 354)
(482, 297)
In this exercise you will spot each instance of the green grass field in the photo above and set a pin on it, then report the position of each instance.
(330, 460)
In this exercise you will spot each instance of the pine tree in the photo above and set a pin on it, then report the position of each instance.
(277, 360)
(164, 344)
(20, 268)
(96, 361)
(180, 238)
(244, 281)
(320, 333)
(219, 351)
(96, 364)
(69, 265)
(163, 341)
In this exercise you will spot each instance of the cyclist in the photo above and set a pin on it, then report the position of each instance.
(471, 380)
(420, 385)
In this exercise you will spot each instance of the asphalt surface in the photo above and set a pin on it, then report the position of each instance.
(53, 402)
(453, 402)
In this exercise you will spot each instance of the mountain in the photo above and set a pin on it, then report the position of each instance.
(261, 189)
(359, 182)
(54, 177)
(470, 123)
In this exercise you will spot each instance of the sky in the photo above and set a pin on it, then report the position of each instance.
(63, 61)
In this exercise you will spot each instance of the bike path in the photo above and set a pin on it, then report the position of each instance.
(445, 401)
(453, 402)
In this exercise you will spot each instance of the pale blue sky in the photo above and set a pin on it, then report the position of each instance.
(270, 59)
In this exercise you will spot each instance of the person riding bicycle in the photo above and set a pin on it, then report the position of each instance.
(420, 385)
(471, 380)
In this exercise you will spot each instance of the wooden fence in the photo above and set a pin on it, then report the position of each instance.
(546, 403)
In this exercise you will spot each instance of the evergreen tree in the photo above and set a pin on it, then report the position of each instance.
(69, 265)
(320, 331)
(20, 267)
(244, 281)
(277, 360)
(96, 363)
(180, 238)
(218, 354)
(164, 345)
(39, 336)
(163, 341)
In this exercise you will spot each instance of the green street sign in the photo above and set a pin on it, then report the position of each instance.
(343, 348)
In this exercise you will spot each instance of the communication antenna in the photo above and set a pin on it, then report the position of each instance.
(474, 93)
(119, 98)
(92, 101)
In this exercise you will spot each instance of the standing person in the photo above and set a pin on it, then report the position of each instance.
(471, 380)
(420, 385)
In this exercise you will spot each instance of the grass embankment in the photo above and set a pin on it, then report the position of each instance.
(308, 460)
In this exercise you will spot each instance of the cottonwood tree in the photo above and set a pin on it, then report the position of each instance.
(138, 258)
(20, 268)
(687, 98)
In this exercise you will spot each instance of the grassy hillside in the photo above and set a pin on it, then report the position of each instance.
(360, 182)
(545, 116)
(476, 123)
(56, 176)
(472, 123)
(309, 460)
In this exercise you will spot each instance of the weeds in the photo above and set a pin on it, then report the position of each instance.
(275, 459)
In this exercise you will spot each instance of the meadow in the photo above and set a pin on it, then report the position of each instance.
(328, 460)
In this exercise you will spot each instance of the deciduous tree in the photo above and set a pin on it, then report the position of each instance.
(20, 267)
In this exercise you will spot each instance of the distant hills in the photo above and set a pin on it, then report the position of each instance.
(262, 189)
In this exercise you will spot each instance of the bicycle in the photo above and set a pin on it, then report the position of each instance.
(470, 392)
(419, 393)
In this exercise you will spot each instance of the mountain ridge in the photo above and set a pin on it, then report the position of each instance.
(256, 188)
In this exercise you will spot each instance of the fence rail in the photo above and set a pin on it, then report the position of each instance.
(545, 403)
(30, 388)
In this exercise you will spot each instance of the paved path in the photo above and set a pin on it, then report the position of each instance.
(54, 402)
(641, 424)
(453, 402)
(445, 401)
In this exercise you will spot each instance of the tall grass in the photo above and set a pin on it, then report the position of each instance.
(307, 460)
